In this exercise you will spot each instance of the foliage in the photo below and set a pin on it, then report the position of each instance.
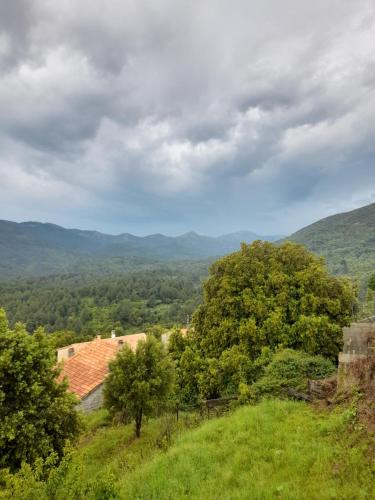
(289, 368)
(268, 295)
(85, 306)
(371, 282)
(187, 365)
(37, 415)
(156, 331)
(139, 383)
(256, 301)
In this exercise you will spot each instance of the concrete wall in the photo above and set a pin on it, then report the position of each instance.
(359, 339)
(357, 361)
(92, 401)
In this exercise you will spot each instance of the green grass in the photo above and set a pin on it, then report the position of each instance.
(277, 449)
(273, 450)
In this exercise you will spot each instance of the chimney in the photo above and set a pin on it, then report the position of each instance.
(113, 334)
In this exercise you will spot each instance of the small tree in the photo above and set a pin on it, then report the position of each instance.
(139, 383)
(37, 415)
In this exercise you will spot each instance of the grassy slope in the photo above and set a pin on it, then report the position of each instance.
(277, 449)
(274, 450)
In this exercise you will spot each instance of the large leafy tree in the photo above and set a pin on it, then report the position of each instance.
(139, 383)
(270, 295)
(37, 415)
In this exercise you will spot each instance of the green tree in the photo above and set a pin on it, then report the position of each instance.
(139, 383)
(37, 415)
(156, 331)
(371, 283)
(270, 295)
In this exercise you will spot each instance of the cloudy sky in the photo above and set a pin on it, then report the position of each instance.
(171, 115)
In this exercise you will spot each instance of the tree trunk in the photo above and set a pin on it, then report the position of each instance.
(138, 423)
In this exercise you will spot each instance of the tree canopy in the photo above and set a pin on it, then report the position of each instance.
(139, 383)
(87, 305)
(256, 301)
(37, 415)
(267, 295)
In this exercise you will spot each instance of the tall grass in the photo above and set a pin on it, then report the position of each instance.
(276, 449)
(272, 450)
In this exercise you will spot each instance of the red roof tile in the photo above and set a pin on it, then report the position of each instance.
(88, 368)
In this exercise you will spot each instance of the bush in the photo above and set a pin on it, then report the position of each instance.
(289, 368)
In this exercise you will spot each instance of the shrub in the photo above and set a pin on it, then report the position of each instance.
(289, 368)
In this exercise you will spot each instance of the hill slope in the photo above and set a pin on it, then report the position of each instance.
(277, 449)
(347, 240)
(36, 249)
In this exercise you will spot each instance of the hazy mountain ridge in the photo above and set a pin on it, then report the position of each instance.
(346, 240)
(36, 249)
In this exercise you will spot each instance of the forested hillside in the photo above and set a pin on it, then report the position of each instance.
(164, 295)
(347, 241)
(34, 249)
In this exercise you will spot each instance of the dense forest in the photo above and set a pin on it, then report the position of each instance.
(131, 293)
(88, 305)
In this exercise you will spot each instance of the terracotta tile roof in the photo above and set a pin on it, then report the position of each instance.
(88, 368)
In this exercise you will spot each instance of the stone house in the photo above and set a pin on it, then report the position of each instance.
(85, 366)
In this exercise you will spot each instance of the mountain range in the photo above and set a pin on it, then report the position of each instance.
(32, 249)
(37, 249)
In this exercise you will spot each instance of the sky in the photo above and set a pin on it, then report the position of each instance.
(172, 115)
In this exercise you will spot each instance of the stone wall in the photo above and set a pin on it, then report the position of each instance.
(357, 361)
(359, 339)
(92, 401)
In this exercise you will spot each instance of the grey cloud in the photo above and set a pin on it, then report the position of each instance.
(16, 19)
(188, 115)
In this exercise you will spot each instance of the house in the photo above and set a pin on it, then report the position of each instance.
(85, 366)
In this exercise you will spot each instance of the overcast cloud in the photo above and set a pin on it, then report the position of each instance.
(173, 115)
